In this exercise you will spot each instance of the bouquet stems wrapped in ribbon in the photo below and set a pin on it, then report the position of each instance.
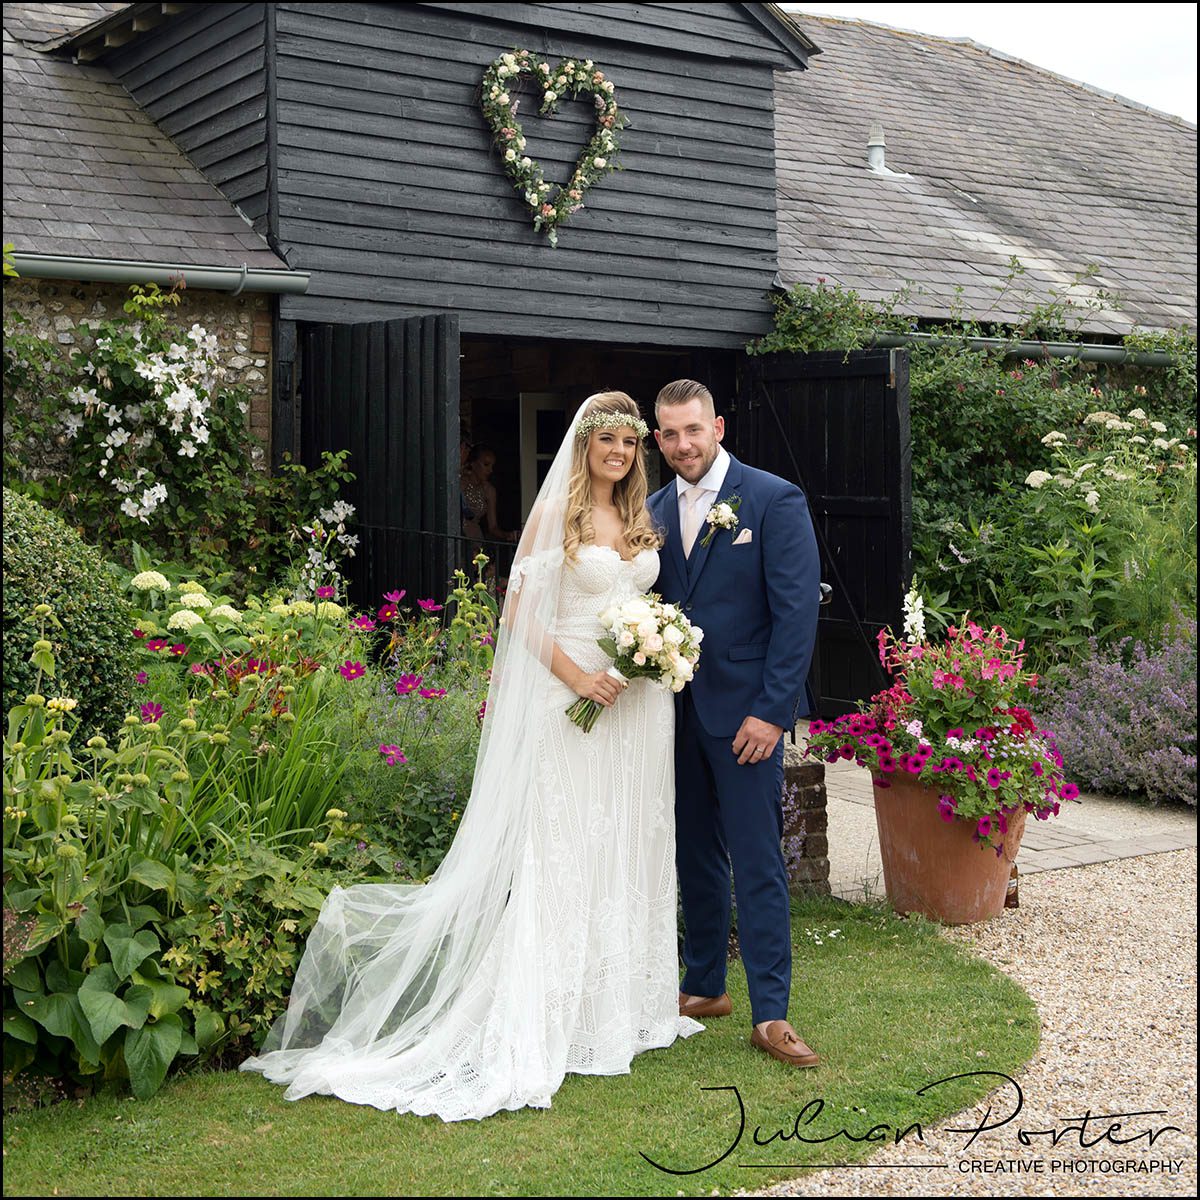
(646, 639)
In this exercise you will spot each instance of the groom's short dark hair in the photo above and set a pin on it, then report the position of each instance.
(680, 392)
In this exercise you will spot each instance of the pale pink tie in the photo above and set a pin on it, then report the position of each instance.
(691, 517)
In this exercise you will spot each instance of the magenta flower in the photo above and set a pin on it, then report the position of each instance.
(137, 633)
(432, 693)
(179, 649)
(363, 622)
(393, 755)
(913, 763)
(983, 829)
(352, 670)
(326, 593)
(156, 644)
(875, 739)
(482, 712)
(846, 751)
(429, 606)
(816, 727)
(387, 612)
(151, 712)
(994, 777)
(887, 764)
(394, 597)
(388, 751)
(408, 683)
(142, 677)
(1068, 791)
(486, 639)
(946, 808)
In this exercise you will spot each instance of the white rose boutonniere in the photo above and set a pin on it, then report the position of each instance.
(722, 516)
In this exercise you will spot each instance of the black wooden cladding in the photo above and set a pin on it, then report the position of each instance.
(203, 78)
(387, 391)
(390, 191)
(845, 420)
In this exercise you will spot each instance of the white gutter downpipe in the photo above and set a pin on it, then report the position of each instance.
(112, 270)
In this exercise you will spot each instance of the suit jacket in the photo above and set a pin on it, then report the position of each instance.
(756, 601)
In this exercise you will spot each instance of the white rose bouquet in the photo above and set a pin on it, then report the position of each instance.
(645, 639)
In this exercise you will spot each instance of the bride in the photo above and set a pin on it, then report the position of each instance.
(546, 940)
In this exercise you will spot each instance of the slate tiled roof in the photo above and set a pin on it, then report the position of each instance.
(88, 173)
(1002, 158)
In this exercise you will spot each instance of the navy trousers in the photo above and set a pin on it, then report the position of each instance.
(729, 815)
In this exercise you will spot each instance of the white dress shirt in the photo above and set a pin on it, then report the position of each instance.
(711, 484)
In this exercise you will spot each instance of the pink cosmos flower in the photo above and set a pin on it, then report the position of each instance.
(395, 597)
(179, 649)
(387, 612)
(429, 606)
(156, 644)
(432, 693)
(326, 593)
(141, 677)
(352, 670)
(393, 755)
(363, 622)
(408, 683)
(151, 712)
(137, 633)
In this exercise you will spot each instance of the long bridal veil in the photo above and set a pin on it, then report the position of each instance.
(385, 962)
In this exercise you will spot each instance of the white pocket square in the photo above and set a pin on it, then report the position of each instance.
(743, 538)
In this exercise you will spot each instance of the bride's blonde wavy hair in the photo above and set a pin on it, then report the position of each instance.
(629, 495)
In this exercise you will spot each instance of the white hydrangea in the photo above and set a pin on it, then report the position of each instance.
(327, 608)
(227, 611)
(151, 581)
(184, 619)
(1037, 479)
(195, 600)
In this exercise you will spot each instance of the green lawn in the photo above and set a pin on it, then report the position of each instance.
(888, 1004)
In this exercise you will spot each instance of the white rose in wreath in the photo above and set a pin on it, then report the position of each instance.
(599, 162)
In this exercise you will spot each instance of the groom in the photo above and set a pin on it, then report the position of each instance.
(754, 589)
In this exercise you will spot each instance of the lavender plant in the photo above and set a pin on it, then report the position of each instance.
(1126, 717)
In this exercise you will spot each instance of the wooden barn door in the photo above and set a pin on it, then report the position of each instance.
(837, 425)
(388, 391)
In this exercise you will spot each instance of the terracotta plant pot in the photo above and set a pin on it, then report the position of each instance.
(934, 867)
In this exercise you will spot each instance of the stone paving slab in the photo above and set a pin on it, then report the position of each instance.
(1096, 829)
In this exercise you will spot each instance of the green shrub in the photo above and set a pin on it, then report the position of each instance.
(46, 562)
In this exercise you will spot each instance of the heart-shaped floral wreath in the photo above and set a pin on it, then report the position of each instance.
(577, 77)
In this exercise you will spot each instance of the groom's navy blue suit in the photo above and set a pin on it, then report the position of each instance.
(757, 603)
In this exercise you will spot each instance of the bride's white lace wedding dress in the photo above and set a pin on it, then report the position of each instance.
(580, 972)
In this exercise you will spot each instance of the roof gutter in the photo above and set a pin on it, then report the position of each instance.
(1082, 351)
(111, 270)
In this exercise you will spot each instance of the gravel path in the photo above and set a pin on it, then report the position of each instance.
(1108, 953)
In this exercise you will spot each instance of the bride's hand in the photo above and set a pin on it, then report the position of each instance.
(599, 686)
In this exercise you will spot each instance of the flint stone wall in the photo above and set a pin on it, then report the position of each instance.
(242, 324)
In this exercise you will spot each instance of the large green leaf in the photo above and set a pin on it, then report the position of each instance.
(90, 925)
(164, 997)
(19, 1026)
(46, 927)
(62, 1015)
(129, 949)
(149, 1051)
(209, 1026)
(24, 975)
(104, 1011)
(154, 875)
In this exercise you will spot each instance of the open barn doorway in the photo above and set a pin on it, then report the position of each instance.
(516, 398)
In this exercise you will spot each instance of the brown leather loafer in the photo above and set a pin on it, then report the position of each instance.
(783, 1042)
(705, 1006)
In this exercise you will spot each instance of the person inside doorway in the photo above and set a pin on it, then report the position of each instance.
(479, 495)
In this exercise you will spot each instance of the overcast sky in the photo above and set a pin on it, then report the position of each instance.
(1145, 52)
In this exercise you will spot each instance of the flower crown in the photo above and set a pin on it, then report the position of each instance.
(611, 420)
